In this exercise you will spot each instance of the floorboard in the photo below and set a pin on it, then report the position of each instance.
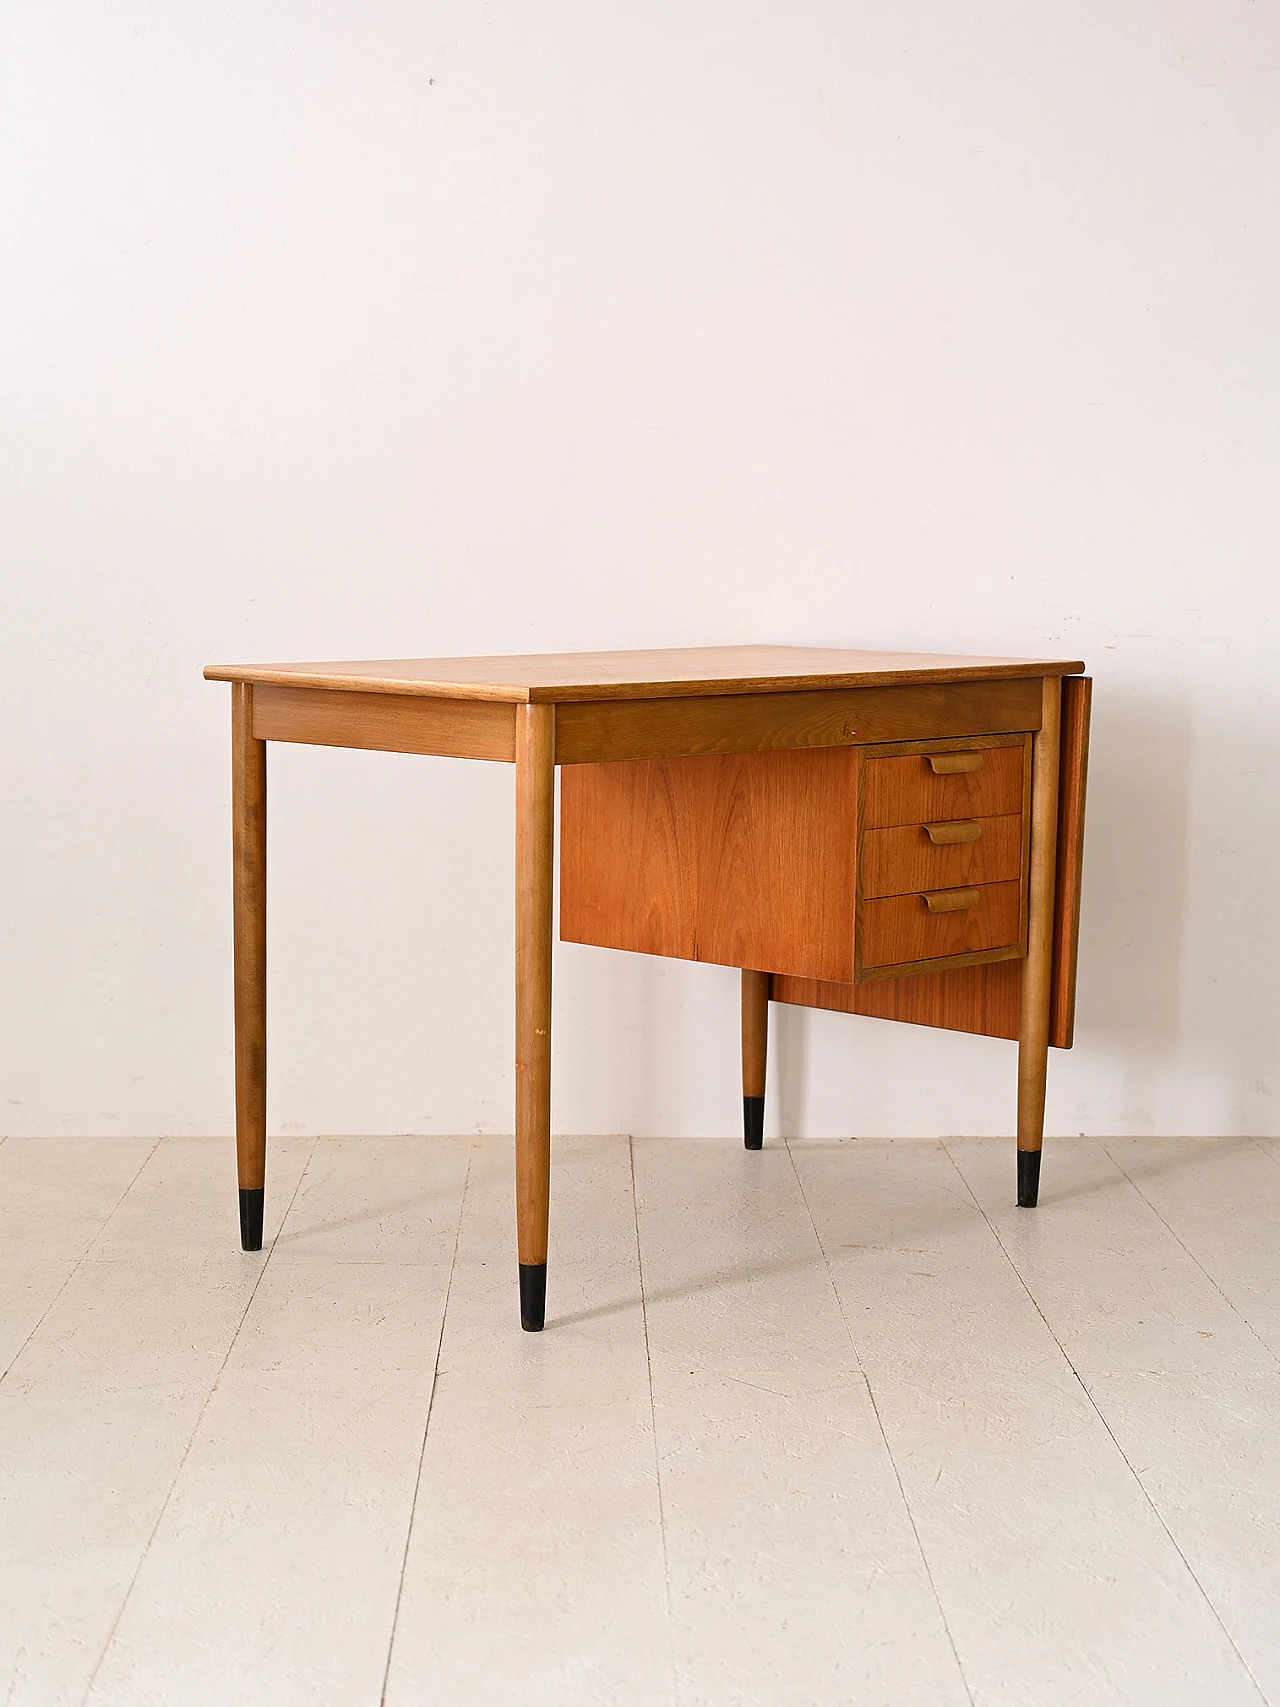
(1059, 1581)
(99, 1407)
(1187, 1388)
(535, 1568)
(55, 1196)
(832, 1424)
(273, 1573)
(796, 1574)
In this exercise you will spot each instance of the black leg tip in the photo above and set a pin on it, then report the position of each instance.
(533, 1296)
(753, 1122)
(251, 1218)
(1028, 1178)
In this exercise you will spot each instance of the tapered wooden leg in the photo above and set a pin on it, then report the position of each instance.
(755, 1045)
(1033, 1029)
(535, 847)
(249, 911)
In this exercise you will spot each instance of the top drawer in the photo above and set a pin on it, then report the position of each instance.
(919, 788)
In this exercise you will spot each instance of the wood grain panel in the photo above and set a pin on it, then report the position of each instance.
(628, 877)
(1077, 696)
(897, 929)
(749, 723)
(666, 673)
(447, 728)
(897, 861)
(979, 999)
(741, 860)
(906, 790)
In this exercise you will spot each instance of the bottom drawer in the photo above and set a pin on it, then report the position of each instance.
(899, 928)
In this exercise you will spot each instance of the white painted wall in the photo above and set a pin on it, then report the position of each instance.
(398, 328)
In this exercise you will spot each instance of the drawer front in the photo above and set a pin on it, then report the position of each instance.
(924, 788)
(942, 855)
(896, 929)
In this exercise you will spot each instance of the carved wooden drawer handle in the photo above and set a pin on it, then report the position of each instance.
(959, 830)
(950, 900)
(949, 764)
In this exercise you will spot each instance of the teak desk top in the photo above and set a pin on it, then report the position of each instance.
(669, 673)
(876, 832)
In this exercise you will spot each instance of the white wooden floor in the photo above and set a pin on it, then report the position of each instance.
(833, 1423)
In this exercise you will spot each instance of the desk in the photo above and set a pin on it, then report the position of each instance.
(883, 833)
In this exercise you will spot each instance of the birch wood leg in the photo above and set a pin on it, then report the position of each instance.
(1033, 1028)
(249, 912)
(535, 845)
(755, 1043)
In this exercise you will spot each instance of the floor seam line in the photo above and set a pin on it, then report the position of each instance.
(1275, 1357)
(653, 1424)
(1094, 1406)
(195, 1429)
(79, 1262)
(426, 1429)
(875, 1408)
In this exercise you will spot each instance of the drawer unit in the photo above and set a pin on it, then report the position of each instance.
(944, 855)
(898, 929)
(806, 863)
(923, 788)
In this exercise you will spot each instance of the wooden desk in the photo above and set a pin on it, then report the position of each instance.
(894, 834)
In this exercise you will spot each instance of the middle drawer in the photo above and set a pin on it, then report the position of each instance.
(943, 855)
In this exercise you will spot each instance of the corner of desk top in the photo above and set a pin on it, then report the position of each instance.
(242, 674)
